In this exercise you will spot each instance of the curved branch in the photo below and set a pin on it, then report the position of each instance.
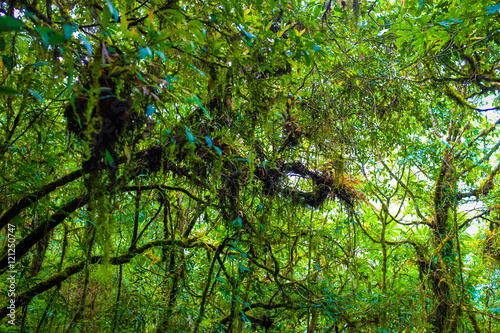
(34, 197)
(143, 155)
(57, 278)
(270, 306)
(48, 225)
(162, 187)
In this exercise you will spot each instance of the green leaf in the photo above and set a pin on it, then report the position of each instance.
(209, 141)
(317, 10)
(57, 39)
(106, 17)
(113, 10)
(150, 110)
(244, 317)
(197, 33)
(200, 72)
(2, 44)
(493, 9)
(37, 95)
(109, 160)
(306, 56)
(145, 52)
(286, 79)
(201, 106)
(141, 77)
(86, 43)
(38, 64)
(162, 55)
(9, 23)
(68, 31)
(238, 221)
(243, 268)
(242, 252)
(4, 90)
(196, 23)
(249, 34)
(176, 15)
(218, 278)
(45, 33)
(190, 136)
(8, 62)
(450, 21)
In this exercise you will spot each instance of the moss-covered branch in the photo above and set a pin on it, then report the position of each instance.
(57, 278)
(35, 196)
(48, 225)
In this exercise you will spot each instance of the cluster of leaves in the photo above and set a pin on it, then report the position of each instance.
(228, 166)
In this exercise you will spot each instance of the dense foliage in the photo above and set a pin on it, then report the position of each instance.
(250, 166)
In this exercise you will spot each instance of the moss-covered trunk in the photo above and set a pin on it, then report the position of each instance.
(443, 316)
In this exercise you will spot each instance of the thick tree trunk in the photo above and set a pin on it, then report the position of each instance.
(443, 317)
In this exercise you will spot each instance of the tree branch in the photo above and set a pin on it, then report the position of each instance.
(35, 196)
(57, 278)
(48, 225)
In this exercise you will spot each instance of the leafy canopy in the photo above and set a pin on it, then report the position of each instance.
(244, 166)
